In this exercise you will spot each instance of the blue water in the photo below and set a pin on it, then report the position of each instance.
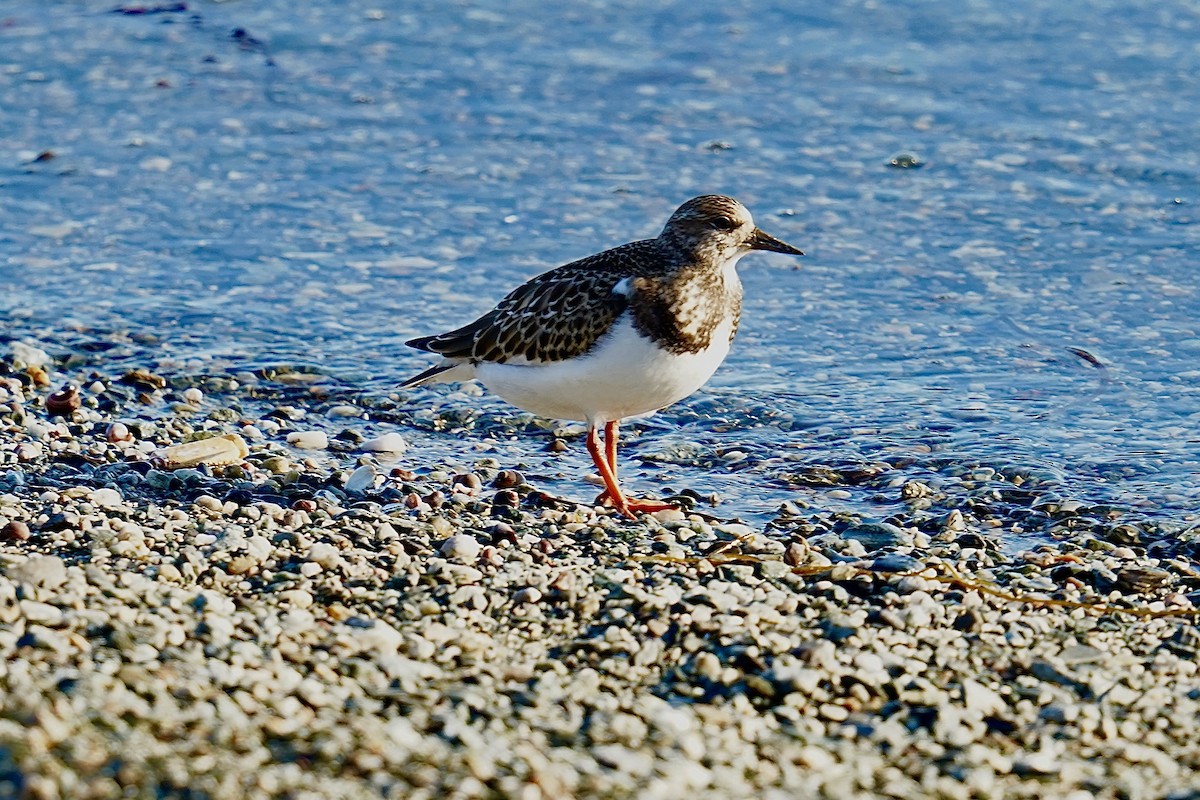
(327, 182)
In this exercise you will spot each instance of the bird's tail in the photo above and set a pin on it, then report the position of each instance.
(442, 372)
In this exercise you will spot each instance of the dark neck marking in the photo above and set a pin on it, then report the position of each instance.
(683, 311)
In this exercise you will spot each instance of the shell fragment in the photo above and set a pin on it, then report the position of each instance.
(216, 451)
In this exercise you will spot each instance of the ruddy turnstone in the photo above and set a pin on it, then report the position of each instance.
(618, 334)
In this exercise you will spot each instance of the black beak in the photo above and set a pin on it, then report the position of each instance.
(765, 241)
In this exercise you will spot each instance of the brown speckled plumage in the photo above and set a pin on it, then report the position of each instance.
(675, 287)
(559, 314)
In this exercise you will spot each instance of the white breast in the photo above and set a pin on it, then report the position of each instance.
(624, 376)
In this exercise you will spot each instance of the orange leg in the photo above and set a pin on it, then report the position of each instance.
(606, 463)
(610, 445)
(610, 456)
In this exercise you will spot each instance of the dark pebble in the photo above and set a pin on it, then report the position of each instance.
(895, 562)
(506, 498)
(60, 522)
(15, 531)
(65, 401)
(503, 532)
(969, 621)
(508, 479)
(972, 541)
(467, 483)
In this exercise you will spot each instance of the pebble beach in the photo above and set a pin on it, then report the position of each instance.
(320, 614)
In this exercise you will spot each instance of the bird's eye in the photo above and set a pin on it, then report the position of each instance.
(724, 223)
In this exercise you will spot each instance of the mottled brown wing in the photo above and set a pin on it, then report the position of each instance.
(555, 316)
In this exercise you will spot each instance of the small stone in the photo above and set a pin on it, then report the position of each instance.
(506, 498)
(392, 443)
(708, 666)
(361, 479)
(508, 479)
(530, 594)
(241, 565)
(324, 554)
(46, 571)
(833, 712)
(210, 503)
(193, 395)
(969, 621)
(144, 380)
(462, 547)
(773, 570)
(15, 531)
(26, 355)
(214, 451)
(65, 401)
(796, 553)
(308, 440)
(467, 483)
(877, 535)
(118, 432)
(895, 562)
(41, 613)
(296, 598)
(1081, 654)
(29, 451)
(1140, 579)
(107, 498)
(277, 465)
(978, 697)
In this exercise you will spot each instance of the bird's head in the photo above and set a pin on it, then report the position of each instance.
(720, 228)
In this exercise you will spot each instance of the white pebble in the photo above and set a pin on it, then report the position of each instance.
(193, 395)
(388, 443)
(324, 554)
(29, 451)
(530, 594)
(308, 440)
(118, 432)
(26, 355)
(107, 498)
(462, 547)
(361, 479)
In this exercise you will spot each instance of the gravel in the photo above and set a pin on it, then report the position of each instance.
(312, 621)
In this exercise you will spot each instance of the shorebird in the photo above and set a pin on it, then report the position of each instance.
(619, 334)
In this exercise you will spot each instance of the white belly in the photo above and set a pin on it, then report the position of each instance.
(626, 375)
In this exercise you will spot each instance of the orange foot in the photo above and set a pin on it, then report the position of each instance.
(629, 505)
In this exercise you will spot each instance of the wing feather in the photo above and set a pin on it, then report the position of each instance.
(555, 316)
